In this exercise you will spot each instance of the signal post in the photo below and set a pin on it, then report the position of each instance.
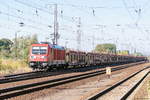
(108, 71)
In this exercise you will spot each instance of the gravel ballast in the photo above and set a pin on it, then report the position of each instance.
(80, 90)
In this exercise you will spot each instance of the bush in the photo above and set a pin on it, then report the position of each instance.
(13, 66)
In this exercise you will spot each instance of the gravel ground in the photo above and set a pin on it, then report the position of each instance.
(12, 84)
(44, 78)
(143, 91)
(119, 91)
(80, 90)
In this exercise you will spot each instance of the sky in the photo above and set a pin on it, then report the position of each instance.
(122, 22)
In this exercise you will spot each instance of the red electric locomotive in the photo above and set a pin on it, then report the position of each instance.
(45, 55)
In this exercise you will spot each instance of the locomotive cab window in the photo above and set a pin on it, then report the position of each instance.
(39, 50)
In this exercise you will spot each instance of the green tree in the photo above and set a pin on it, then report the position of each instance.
(5, 44)
(105, 48)
(5, 47)
(23, 44)
(123, 52)
(138, 54)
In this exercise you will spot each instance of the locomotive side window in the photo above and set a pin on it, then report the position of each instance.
(39, 50)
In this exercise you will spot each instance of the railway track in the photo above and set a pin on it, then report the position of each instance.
(27, 76)
(20, 74)
(134, 87)
(110, 92)
(41, 74)
(6, 93)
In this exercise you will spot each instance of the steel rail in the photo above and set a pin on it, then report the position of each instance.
(41, 75)
(98, 95)
(28, 88)
(20, 74)
(134, 87)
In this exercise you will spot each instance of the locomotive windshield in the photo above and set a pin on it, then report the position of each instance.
(39, 50)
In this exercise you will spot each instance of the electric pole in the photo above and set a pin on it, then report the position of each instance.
(93, 42)
(16, 45)
(79, 34)
(55, 39)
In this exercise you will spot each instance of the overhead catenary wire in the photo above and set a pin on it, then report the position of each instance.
(133, 18)
(138, 12)
(67, 18)
(83, 10)
(87, 10)
(125, 5)
(142, 10)
(89, 7)
(17, 22)
(18, 17)
(136, 6)
(64, 4)
(26, 19)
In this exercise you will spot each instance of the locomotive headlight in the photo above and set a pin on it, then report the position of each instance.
(32, 57)
(43, 57)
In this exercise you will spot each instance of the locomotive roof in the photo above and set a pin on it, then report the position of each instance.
(38, 44)
(57, 47)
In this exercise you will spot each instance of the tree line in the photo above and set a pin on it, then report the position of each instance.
(111, 49)
(19, 48)
(16, 48)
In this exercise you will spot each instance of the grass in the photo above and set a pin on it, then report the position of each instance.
(10, 66)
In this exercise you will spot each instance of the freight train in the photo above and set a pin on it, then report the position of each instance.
(48, 56)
